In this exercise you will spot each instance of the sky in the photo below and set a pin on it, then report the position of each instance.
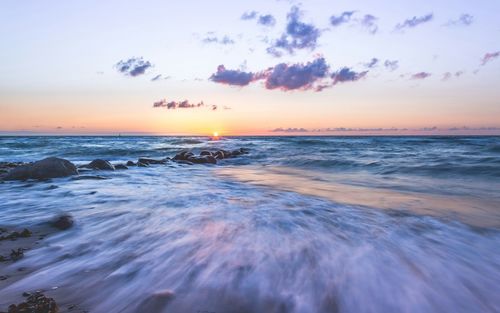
(273, 67)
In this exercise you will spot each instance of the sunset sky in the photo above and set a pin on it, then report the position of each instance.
(249, 67)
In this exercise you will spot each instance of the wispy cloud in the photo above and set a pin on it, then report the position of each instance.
(391, 65)
(369, 22)
(172, 105)
(373, 62)
(448, 75)
(289, 130)
(347, 75)
(462, 20)
(249, 15)
(414, 21)
(297, 35)
(490, 56)
(225, 40)
(343, 18)
(266, 20)
(133, 66)
(420, 75)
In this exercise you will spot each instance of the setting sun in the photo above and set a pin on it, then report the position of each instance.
(216, 134)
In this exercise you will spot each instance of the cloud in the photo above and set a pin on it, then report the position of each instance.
(266, 20)
(463, 20)
(159, 77)
(314, 75)
(373, 62)
(226, 40)
(249, 15)
(391, 65)
(133, 66)
(420, 75)
(347, 75)
(415, 21)
(490, 56)
(343, 18)
(296, 76)
(172, 105)
(232, 77)
(369, 23)
(298, 35)
(289, 130)
(447, 76)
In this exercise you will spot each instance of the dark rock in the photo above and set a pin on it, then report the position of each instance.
(210, 159)
(184, 155)
(151, 161)
(235, 153)
(205, 152)
(130, 163)
(63, 222)
(121, 167)
(140, 164)
(226, 153)
(184, 162)
(35, 303)
(100, 164)
(43, 169)
(16, 255)
(244, 150)
(219, 155)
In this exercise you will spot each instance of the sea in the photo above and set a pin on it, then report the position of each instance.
(299, 224)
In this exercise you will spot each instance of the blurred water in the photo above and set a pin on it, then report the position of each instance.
(325, 224)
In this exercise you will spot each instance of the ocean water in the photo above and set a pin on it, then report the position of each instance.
(300, 224)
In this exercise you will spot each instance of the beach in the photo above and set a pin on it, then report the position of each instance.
(288, 224)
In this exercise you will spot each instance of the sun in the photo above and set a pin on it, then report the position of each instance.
(216, 134)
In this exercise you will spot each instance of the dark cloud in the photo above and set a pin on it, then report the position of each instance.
(343, 18)
(463, 20)
(391, 65)
(225, 40)
(489, 57)
(415, 21)
(172, 105)
(347, 75)
(133, 66)
(249, 15)
(296, 76)
(420, 75)
(314, 75)
(289, 130)
(368, 22)
(232, 77)
(298, 35)
(266, 20)
(373, 62)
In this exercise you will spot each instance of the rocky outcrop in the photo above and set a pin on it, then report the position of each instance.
(99, 164)
(43, 169)
(151, 161)
(62, 222)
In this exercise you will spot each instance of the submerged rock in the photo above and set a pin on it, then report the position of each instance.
(121, 167)
(184, 155)
(151, 161)
(205, 152)
(44, 169)
(35, 303)
(130, 163)
(63, 222)
(100, 164)
(140, 164)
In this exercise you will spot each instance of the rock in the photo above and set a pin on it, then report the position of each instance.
(219, 155)
(43, 169)
(184, 162)
(35, 303)
(16, 255)
(151, 161)
(184, 155)
(100, 164)
(244, 150)
(235, 153)
(130, 163)
(210, 159)
(140, 164)
(205, 152)
(62, 222)
(121, 167)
